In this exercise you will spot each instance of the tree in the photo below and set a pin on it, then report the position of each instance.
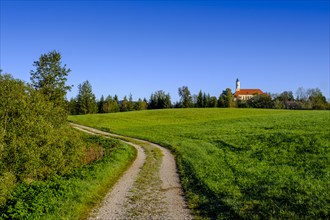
(86, 101)
(213, 102)
(186, 99)
(73, 107)
(278, 104)
(50, 77)
(301, 94)
(261, 101)
(140, 105)
(226, 99)
(159, 100)
(206, 100)
(100, 105)
(287, 100)
(110, 105)
(286, 96)
(200, 103)
(114, 105)
(124, 105)
(130, 104)
(35, 142)
(317, 99)
(116, 98)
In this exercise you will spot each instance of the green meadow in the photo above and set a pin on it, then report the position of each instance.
(240, 163)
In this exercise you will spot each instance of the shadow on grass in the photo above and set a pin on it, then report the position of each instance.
(204, 203)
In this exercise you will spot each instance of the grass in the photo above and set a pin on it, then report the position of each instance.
(71, 196)
(240, 163)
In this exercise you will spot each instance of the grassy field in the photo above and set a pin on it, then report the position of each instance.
(240, 163)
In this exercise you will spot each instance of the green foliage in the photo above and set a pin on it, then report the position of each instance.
(70, 196)
(110, 105)
(159, 100)
(213, 102)
(7, 183)
(130, 104)
(100, 105)
(260, 101)
(200, 103)
(106, 143)
(50, 77)
(241, 163)
(226, 99)
(141, 105)
(40, 153)
(35, 140)
(185, 96)
(86, 101)
(73, 106)
(124, 105)
(204, 100)
(317, 99)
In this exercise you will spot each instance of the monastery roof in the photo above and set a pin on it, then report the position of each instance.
(248, 92)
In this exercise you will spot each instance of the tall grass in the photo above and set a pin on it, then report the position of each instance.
(240, 163)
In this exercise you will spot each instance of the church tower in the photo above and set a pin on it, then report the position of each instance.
(238, 85)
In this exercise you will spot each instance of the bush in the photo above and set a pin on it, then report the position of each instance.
(7, 183)
(36, 142)
(73, 195)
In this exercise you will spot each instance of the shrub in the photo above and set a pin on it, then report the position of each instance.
(35, 140)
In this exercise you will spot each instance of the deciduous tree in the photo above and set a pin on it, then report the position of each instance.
(50, 77)
(226, 99)
(317, 99)
(185, 95)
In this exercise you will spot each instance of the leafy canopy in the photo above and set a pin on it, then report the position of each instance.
(50, 77)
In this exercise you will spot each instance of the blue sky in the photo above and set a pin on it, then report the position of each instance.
(140, 47)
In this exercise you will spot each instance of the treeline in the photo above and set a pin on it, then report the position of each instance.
(306, 99)
(86, 103)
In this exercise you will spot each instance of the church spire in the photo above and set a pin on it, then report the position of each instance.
(238, 85)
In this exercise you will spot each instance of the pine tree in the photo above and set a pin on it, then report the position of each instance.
(86, 100)
(100, 105)
(130, 104)
(200, 103)
(124, 105)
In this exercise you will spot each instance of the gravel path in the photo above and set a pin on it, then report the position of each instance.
(135, 196)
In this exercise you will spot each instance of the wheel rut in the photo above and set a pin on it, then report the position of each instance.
(149, 189)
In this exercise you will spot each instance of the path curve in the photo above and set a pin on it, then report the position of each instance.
(113, 206)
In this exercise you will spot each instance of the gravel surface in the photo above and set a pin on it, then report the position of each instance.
(161, 198)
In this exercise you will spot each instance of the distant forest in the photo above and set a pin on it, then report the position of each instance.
(86, 102)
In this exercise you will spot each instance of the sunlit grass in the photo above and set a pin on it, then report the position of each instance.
(240, 163)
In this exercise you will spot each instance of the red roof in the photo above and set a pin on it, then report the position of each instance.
(248, 92)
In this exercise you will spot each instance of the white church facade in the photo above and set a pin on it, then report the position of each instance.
(245, 94)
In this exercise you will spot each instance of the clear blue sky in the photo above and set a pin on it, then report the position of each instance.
(139, 47)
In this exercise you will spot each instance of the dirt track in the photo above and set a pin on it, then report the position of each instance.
(149, 189)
